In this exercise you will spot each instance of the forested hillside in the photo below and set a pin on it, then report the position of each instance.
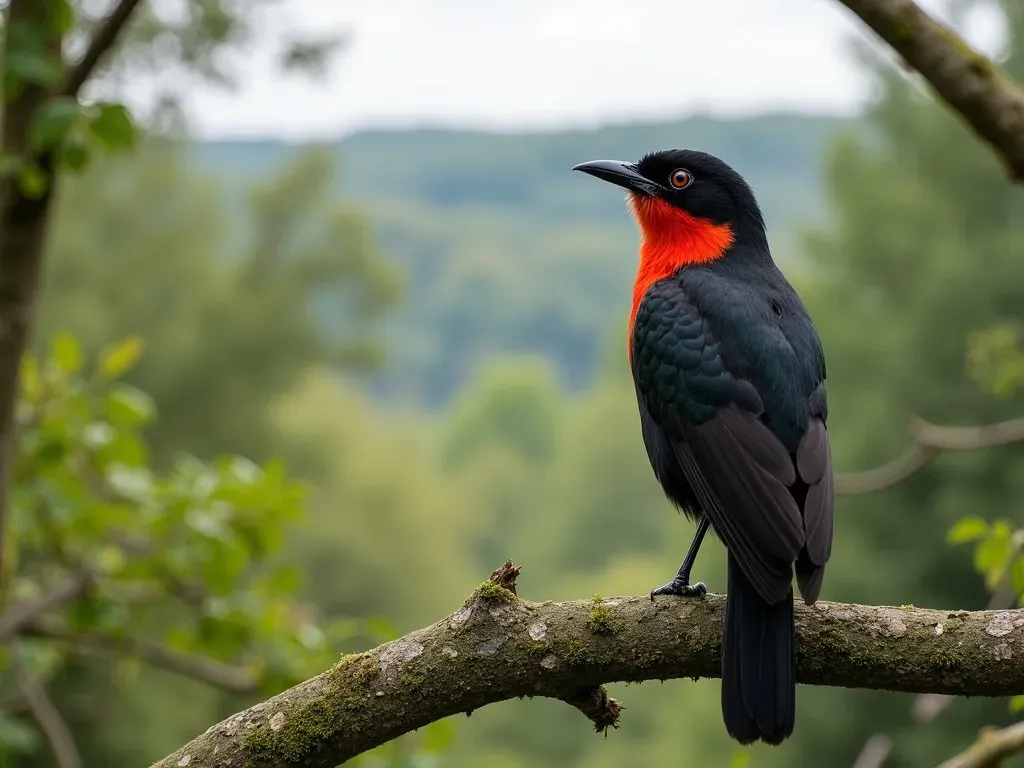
(503, 249)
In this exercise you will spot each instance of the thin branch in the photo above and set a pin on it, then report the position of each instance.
(210, 671)
(887, 475)
(20, 615)
(929, 441)
(971, 84)
(46, 714)
(103, 40)
(992, 747)
(875, 752)
(497, 646)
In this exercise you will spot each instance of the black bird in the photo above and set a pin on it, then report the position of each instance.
(730, 383)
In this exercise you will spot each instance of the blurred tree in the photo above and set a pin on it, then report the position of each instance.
(47, 129)
(177, 569)
(142, 246)
(923, 252)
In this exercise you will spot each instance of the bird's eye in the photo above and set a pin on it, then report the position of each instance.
(680, 178)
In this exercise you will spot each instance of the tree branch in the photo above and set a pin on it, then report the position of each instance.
(992, 747)
(23, 222)
(103, 40)
(210, 671)
(966, 80)
(46, 714)
(874, 753)
(20, 615)
(498, 647)
(930, 440)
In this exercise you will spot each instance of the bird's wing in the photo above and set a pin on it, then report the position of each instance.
(814, 466)
(740, 471)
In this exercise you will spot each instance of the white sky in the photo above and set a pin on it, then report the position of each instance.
(535, 64)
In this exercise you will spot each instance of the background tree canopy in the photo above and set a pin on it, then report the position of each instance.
(425, 372)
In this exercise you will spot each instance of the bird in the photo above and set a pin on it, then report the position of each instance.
(729, 374)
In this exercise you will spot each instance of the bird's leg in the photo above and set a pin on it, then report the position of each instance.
(680, 585)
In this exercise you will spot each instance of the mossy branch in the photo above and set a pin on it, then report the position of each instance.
(970, 83)
(991, 749)
(497, 646)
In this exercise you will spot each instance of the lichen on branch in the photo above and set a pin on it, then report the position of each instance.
(498, 646)
(966, 80)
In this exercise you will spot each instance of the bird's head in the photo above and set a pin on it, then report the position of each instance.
(686, 200)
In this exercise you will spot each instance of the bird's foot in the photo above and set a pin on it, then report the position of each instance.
(681, 587)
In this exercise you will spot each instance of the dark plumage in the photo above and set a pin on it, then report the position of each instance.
(730, 384)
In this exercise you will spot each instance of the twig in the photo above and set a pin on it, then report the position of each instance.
(875, 752)
(218, 674)
(20, 615)
(102, 42)
(990, 103)
(992, 747)
(930, 440)
(497, 646)
(46, 714)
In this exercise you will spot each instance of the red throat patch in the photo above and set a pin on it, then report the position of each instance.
(670, 239)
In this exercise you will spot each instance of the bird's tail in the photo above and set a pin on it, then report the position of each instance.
(758, 663)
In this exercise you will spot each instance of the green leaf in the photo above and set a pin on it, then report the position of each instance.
(128, 405)
(971, 528)
(134, 483)
(111, 559)
(118, 359)
(37, 67)
(245, 471)
(31, 180)
(67, 353)
(286, 578)
(53, 122)
(991, 557)
(113, 126)
(1017, 575)
(98, 434)
(1017, 704)
(18, 736)
(63, 17)
(74, 155)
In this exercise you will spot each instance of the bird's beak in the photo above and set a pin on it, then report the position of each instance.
(621, 174)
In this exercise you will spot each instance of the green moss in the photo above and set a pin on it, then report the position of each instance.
(495, 593)
(412, 680)
(312, 722)
(536, 649)
(903, 25)
(602, 620)
(981, 66)
(576, 652)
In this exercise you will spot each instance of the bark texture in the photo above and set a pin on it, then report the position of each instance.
(991, 103)
(497, 646)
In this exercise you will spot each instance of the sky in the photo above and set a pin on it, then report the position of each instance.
(543, 64)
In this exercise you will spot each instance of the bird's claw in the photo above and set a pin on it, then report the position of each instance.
(681, 588)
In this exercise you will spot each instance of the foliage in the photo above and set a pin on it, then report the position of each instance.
(141, 247)
(996, 359)
(184, 563)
